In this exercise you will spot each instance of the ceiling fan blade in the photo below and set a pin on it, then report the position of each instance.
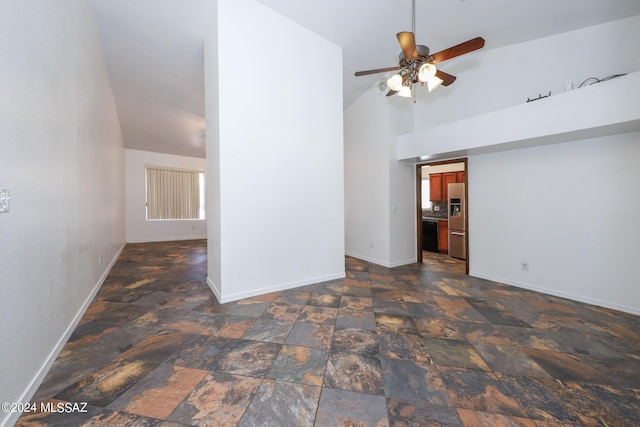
(391, 92)
(459, 49)
(408, 44)
(379, 70)
(447, 78)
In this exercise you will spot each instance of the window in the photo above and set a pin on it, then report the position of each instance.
(174, 194)
(426, 194)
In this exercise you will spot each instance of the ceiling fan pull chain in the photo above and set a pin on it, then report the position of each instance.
(413, 16)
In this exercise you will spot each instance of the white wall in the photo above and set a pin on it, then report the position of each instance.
(380, 226)
(570, 210)
(402, 178)
(138, 228)
(212, 115)
(280, 153)
(367, 137)
(63, 160)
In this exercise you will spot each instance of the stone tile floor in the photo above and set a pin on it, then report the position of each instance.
(419, 345)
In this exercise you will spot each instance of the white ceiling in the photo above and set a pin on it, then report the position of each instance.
(154, 51)
(154, 48)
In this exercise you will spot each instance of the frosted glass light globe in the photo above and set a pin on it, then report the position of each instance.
(395, 82)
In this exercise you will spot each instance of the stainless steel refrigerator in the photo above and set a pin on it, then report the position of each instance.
(457, 222)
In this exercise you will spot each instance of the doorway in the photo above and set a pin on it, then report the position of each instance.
(439, 175)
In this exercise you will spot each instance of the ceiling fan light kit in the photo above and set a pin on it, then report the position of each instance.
(426, 72)
(434, 83)
(416, 65)
(395, 82)
(405, 92)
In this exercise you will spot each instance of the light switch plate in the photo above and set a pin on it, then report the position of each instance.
(4, 200)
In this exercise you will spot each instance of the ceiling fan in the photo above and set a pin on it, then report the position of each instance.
(417, 65)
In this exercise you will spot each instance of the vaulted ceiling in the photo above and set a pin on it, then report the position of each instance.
(154, 48)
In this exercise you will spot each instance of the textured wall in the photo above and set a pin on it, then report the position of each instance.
(63, 160)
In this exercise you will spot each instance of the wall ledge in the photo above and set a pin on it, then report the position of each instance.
(602, 109)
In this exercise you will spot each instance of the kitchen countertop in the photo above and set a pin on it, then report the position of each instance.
(434, 218)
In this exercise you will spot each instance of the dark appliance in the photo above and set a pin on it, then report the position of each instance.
(429, 235)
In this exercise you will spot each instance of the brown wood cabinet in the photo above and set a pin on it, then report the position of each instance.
(448, 178)
(439, 185)
(443, 237)
(435, 187)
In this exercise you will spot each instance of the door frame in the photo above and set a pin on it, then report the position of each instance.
(419, 205)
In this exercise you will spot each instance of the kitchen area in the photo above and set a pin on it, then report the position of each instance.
(444, 209)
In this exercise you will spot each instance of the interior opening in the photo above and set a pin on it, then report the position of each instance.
(442, 213)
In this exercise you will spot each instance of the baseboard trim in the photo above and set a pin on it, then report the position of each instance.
(367, 259)
(266, 290)
(42, 372)
(215, 290)
(404, 262)
(381, 263)
(558, 293)
(167, 239)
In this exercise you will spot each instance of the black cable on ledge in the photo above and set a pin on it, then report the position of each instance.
(597, 80)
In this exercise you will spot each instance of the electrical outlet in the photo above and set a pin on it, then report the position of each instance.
(371, 245)
(524, 265)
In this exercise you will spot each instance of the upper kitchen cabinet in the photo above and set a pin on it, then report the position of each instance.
(439, 184)
(436, 193)
(448, 178)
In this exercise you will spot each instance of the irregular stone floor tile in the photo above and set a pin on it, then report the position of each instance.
(416, 345)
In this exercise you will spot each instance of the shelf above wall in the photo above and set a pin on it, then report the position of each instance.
(601, 109)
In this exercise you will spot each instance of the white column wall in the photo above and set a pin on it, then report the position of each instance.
(212, 115)
(138, 228)
(63, 161)
(280, 148)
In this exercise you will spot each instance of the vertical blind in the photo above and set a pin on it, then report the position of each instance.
(172, 194)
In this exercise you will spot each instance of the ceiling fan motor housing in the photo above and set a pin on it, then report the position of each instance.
(411, 66)
(423, 54)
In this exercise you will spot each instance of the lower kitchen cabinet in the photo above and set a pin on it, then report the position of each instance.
(443, 237)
